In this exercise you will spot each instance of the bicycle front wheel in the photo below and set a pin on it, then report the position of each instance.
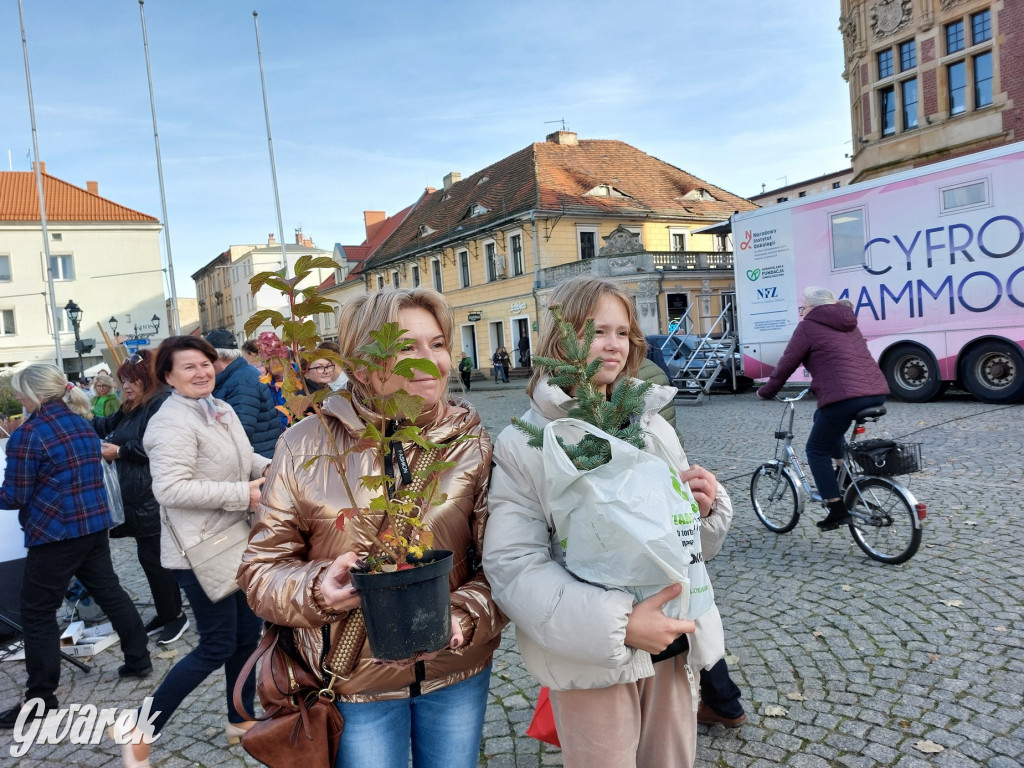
(774, 496)
(884, 521)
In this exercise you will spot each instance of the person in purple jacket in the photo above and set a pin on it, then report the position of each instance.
(844, 377)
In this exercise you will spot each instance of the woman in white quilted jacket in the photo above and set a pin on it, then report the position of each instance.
(206, 477)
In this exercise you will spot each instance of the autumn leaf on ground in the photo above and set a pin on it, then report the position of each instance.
(953, 603)
(167, 654)
(795, 696)
(846, 588)
(817, 633)
(929, 747)
(774, 710)
(1000, 629)
(732, 660)
(933, 657)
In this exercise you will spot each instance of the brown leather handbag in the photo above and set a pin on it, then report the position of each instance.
(301, 725)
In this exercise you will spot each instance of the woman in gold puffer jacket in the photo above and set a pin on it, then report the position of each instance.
(295, 571)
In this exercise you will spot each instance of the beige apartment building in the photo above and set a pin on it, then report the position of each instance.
(931, 79)
(497, 242)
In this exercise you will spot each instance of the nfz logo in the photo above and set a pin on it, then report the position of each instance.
(768, 293)
(753, 274)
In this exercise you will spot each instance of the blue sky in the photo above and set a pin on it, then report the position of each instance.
(370, 102)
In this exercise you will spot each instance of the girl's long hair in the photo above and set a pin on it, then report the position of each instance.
(578, 299)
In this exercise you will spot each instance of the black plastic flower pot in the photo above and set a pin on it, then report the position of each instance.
(407, 612)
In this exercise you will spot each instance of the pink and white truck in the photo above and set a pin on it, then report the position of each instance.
(932, 259)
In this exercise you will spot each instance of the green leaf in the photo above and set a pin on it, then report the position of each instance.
(259, 316)
(406, 367)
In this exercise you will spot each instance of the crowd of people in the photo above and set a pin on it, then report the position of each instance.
(199, 443)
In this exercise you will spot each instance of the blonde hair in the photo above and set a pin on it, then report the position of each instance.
(578, 299)
(45, 383)
(105, 379)
(369, 313)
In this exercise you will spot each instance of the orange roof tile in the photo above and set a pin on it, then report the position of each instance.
(19, 201)
(556, 177)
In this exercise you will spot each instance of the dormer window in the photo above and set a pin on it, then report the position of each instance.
(699, 194)
(425, 230)
(605, 190)
(478, 210)
(483, 180)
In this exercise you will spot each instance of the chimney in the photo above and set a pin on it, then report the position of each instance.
(42, 166)
(308, 242)
(565, 138)
(271, 240)
(298, 236)
(93, 187)
(452, 178)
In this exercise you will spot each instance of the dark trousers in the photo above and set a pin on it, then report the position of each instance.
(719, 692)
(465, 376)
(826, 440)
(228, 634)
(48, 570)
(163, 585)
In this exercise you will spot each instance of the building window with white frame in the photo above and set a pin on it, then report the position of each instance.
(491, 261)
(586, 242)
(7, 322)
(5, 268)
(63, 267)
(677, 239)
(463, 269)
(415, 275)
(435, 269)
(515, 247)
(394, 278)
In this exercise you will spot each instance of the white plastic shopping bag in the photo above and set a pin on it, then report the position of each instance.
(630, 523)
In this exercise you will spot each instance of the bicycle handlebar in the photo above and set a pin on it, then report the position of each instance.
(794, 398)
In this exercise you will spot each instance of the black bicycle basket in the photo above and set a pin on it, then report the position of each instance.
(885, 458)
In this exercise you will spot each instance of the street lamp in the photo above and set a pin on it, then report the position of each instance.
(112, 322)
(156, 324)
(75, 316)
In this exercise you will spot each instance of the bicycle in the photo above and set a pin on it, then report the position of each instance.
(886, 518)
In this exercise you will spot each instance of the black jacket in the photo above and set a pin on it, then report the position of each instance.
(125, 429)
(240, 387)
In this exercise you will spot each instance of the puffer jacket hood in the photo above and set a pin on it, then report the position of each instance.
(839, 317)
(295, 539)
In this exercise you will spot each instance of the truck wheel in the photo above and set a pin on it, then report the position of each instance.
(994, 372)
(912, 373)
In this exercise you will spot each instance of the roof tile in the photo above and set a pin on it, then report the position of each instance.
(19, 201)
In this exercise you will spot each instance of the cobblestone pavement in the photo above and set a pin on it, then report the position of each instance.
(867, 660)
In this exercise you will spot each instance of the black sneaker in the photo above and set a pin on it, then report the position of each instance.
(9, 717)
(154, 625)
(125, 671)
(173, 629)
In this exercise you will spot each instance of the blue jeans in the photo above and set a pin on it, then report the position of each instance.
(228, 634)
(826, 440)
(444, 728)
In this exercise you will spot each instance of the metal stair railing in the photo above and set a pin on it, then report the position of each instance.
(714, 355)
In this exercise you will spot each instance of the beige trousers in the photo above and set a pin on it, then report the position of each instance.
(648, 724)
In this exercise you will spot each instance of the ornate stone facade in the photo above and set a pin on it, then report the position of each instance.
(890, 16)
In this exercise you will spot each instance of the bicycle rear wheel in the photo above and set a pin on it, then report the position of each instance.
(774, 496)
(884, 520)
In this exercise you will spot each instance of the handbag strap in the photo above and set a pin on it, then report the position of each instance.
(267, 643)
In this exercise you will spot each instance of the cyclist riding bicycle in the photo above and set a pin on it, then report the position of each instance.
(844, 378)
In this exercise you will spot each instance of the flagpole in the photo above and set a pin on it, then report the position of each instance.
(175, 320)
(270, 144)
(54, 309)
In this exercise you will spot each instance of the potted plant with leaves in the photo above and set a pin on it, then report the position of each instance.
(639, 535)
(402, 580)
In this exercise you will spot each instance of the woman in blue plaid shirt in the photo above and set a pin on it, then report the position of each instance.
(54, 479)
